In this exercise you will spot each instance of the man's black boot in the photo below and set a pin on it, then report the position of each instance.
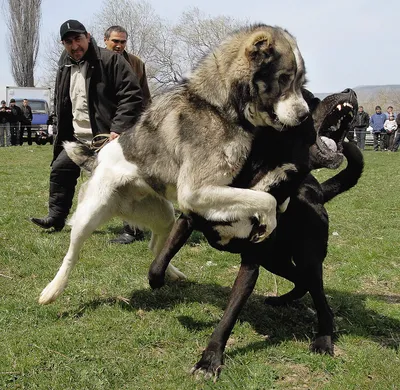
(128, 235)
(49, 222)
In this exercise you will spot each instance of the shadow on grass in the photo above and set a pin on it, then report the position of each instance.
(277, 323)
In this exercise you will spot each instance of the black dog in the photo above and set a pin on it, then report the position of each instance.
(296, 250)
(296, 253)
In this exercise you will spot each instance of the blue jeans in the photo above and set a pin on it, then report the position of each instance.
(5, 131)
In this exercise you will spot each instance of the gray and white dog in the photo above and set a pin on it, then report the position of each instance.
(191, 143)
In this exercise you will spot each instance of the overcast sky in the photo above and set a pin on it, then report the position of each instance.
(345, 43)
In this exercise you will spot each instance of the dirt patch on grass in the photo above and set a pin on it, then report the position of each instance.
(299, 376)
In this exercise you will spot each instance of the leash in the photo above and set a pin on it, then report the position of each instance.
(99, 141)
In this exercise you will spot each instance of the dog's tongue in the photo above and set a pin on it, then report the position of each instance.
(330, 143)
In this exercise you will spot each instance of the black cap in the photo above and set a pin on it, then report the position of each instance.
(72, 26)
(3, 102)
(12, 100)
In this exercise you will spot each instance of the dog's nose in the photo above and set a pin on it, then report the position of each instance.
(349, 90)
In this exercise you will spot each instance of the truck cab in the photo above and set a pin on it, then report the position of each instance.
(40, 118)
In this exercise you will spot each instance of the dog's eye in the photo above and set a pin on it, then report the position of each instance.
(284, 80)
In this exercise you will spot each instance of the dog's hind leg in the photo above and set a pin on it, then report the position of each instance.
(157, 214)
(286, 299)
(180, 233)
(156, 245)
(89, 215)
(279, 262)
(323, 341)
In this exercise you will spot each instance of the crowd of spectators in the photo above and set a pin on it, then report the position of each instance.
(382, 125)
(13, 121)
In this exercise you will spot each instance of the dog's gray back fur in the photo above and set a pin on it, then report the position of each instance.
(203, 121)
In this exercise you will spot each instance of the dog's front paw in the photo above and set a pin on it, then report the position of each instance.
(262, 230)
(209, 366)
(50, 293)
(323, 345)
(156, 280)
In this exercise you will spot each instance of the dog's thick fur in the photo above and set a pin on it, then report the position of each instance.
(191, 143)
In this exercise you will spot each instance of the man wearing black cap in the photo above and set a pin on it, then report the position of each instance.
(96, 92)
(5, 114)
(15, 119)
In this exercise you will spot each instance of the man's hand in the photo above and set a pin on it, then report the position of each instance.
(113, 135)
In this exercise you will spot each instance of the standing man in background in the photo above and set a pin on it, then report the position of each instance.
(15, 123)
(377, 122)
(360, 124)
(26, 122)
(115, 39)
(5, 114)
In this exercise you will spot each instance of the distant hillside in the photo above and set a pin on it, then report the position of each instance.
(370, 96)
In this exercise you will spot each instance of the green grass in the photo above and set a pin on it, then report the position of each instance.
(110, 331)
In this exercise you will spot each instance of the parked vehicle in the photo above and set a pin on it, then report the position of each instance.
(39, 101)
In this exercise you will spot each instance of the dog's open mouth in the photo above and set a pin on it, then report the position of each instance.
(332, 118)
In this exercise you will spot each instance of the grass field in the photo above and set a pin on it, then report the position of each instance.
(109, 330)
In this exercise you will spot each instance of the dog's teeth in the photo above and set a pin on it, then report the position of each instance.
(339, 107)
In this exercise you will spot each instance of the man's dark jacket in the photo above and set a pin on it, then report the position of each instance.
(113, 94)
(27, 115)
(140, 71)
(361, 120)
(16, 114)
(5, 114)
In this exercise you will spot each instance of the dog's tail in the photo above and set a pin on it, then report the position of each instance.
(81, 155)
(348, 177)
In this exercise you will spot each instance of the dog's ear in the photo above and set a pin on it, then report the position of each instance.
(260, 48)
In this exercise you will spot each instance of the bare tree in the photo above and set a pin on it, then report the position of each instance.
(181, 46)
(198, 33)
(23, 22)
(49, 60)
(137, 17)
